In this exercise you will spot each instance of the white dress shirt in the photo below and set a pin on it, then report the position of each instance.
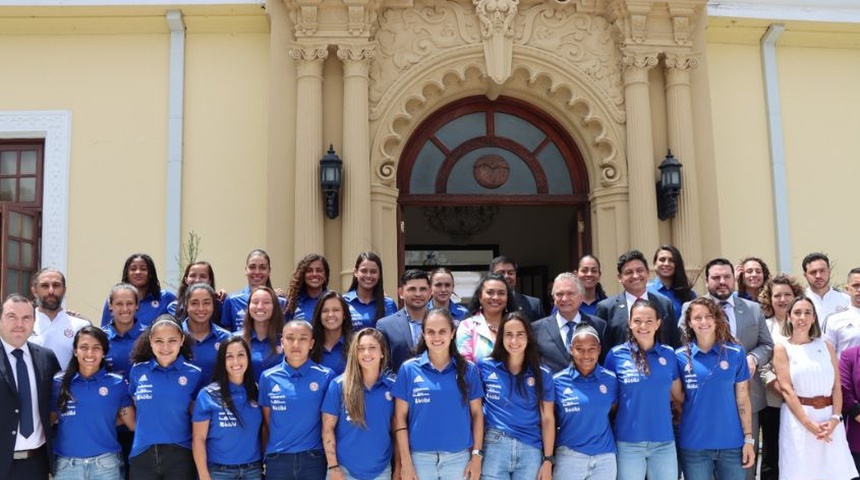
(37, 439)
(832, 302)
(563, 326)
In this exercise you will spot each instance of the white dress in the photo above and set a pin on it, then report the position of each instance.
(801, 455)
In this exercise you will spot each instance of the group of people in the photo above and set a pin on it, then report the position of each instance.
(308, 383)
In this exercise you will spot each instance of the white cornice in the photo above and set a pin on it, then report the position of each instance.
(837, 11)
(126, 3)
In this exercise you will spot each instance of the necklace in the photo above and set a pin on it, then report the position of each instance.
(493, 328)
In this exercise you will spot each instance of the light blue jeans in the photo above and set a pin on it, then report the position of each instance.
(384, 475)
(440, 465)
(507, 458)
(248, 471)
(572, 465)
(654, 459)
(102, 467)
(722, 464)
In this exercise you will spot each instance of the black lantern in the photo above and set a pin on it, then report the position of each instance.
(330, 171)
(669, 187)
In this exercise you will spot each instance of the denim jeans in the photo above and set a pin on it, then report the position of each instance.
(507, 458)
(722, 464)
(248, 471)
(440, 465)
(572, 465)
(163, 462)
(654, 459)
(384, 475)
(102, 467)
(309, 465)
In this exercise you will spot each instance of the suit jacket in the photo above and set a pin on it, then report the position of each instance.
(754, 336)
(531, 306)
(614, 310)
(46, 365)
(397, 332)
(550, 344)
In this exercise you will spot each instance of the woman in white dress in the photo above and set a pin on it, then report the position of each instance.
(812, 438)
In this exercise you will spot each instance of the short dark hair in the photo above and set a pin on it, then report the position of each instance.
(630, 256)
(503, 259)
(413, 274)
(854, 271)
(718, 261)
(15, 298)
(38, 274)
(812, 257)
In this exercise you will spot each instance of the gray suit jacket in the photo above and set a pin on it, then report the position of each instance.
(551, 346)
(753, 335)
(397, 332)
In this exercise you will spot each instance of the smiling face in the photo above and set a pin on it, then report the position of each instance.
(331, 315)
(89, 354)
(515, 339)
(166, 340)
(802, 317)
(781, 297)
(665, 265)
(315, 276)
(297, 342)
(257, 270)
(703, 322)
(367, 274)
(438, 334)
(260, 306)
(415, 294)
(236, 362)
(567, 297)
(588, 272)
(494, 297)
(721, 281)
(198, 273)
(644, 324)
(200, 306)
(753, 274)
(585, 350)
(634, 277)
(123, 306)
(369, 354)
(138, 273)
(16, 323)
(442, 287)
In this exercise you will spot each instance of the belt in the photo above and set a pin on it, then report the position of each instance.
(25, 454)
(818, 402)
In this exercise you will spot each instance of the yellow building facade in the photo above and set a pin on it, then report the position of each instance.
(529, 128)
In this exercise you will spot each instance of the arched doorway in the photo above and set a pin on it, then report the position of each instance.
(480, 178)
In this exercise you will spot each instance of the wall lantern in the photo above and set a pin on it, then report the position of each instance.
(669, 187)
(330, 180)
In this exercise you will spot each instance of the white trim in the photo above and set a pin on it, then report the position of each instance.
(175, 116)
(55, 127)
(840, 11)
(124, 3)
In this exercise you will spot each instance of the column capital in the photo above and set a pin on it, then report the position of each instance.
(356, 58)
(681, 60)
(309, 59)
(640, 58)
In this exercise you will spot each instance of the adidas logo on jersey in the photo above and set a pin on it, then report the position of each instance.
(567, 391)
(419, 379)
(276, 388)
(493, 376)
(142, 378)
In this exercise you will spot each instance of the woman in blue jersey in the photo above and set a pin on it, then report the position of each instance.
(310, 281)
(226, 429)
(262, 330)
(589, 273)
(123, 329)
(441, 290)
(519, 422)
(648, 379)
(163, 384)
(438, 417)
(257, 270)
(585, 395)
(333, 326)
(200, 300)
(291, 395)
(357, 413)
(715, 436)
(139, 270)
(671, 280)
(86, 402)
(198, 272)
(366, 294)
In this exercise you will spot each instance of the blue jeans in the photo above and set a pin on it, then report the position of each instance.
(384, 475)
(309, 465)
(505, 457)
(440, 465)
(572, 465)
(247, 471)
(724, 464)
(654, 459)
(107, 466)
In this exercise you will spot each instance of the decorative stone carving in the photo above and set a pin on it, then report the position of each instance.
(309, 59)
(491, 171)
(497, 18)
(643, 60)
(356, 58)
(682, 61)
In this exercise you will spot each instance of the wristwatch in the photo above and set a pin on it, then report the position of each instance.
(838, 418)
(478, 452)
(549, 458)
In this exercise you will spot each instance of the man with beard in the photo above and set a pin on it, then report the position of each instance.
(54, 328)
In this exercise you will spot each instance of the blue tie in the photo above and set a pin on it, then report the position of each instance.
(24, 394)
(571, 326)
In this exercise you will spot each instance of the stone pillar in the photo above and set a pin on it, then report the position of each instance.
(308, 231)
(356, 232)
(386, 231)
(640, 151)
(686, 231)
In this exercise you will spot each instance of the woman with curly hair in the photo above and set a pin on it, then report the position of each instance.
(332, 332)
(752, 275)
(310, 281)
(493, 298)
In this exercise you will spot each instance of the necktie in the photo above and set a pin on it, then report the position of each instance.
(570, 328)
(730, 316)
(24, 394)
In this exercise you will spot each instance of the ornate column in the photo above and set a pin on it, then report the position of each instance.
(308, 233)
(686, 231)
(356, 232)
(640, 150)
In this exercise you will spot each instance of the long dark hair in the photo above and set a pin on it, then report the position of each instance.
(318, 330)
(475, 303)
(181, 301)
(142, 349)
(599, 292)
(276, 321)
(460, 361)
(297, 285)
(680, 283)
(219, 389)
(262, 253)
(532, 357)
(638, 352)
(153, 286)
(208, 289)
(73, 368)
(379, 289)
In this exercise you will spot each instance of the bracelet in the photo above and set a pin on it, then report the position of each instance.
(333, 467)
(399, 429)
(749, 441)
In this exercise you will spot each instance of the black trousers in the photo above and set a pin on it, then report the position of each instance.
(769, 420)
(33, 468)
(163, 462)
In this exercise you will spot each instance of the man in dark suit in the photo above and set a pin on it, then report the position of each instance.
(403, 328)
(554, 333)
(507, 267)
(749, 328)
(633, 276)
(26, 374)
